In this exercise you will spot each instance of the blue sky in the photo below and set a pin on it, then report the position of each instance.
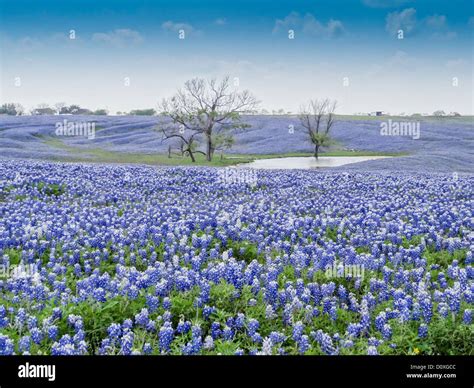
(334, 42)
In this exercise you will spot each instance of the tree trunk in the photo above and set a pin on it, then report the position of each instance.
(209, 148)
(191, 155)
(316, 151)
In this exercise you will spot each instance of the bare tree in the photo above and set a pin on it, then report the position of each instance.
(317, 118)
(59, 106)
(209, 108)
(187, 139)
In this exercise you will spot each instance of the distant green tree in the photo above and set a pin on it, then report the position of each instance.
(143, 112)
(101, 112)
(12, 109)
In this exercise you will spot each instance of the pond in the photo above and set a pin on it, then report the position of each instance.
(308, 162)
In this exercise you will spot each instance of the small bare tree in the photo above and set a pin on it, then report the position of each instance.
(187, 139)
(317, 118)
(209, 108)
(59, 106)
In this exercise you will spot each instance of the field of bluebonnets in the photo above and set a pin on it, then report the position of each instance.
(123, 259)
(445, 144)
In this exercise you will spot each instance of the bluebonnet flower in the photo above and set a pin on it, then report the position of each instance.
(114, 330)
(183, 327)
(126, 343)
(423, 330)
(207, 311)
(127, 324)
(453, 296)
(165, 337)
(267, 347)
(467, 316)
(271, 292)
(354, 329)
(196, 340)
(325, 342)
(32, 322)
(372, 341)
(152, 303)
(348, 344)
(166, 303)
(147, 348)
(105, 347)
(380, 320)
(372, 351)
(239, 321)
(443, 309)
(228, 333)
(386, 332)
(53, 332)
(21, 317)
(208, 343)
(276, 337)
(252, 326)
(303, 344)
(297, 331)
(142, 318)
(24, 344)
(99, 295)
(270, 312)
(133, 292)
(79, 336)
(167, 316)
(36, 335)
(256, 337)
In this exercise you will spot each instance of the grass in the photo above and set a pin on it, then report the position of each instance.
(99, 155)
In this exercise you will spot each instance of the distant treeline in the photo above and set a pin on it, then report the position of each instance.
(14, 109)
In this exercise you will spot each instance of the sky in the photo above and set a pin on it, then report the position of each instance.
(124, 54)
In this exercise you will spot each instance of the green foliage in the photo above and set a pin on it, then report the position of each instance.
(246, 251)
(331, 233)
(50, 189)
(97, 317)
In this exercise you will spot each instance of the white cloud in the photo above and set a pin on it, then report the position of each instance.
(118, 37)
(385, 3)
(28, 43)
(335, 27)
(438, 24)
(292, 20)
(455, 63)
(436, 21)
(171, 26)
(308, 24)
(220, 21)
(401, 59)
(404, 20)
